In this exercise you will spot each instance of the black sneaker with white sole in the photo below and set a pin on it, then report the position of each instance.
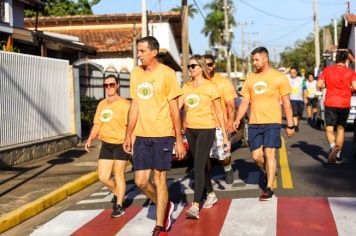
(229, 176)
(267, 194)
(117, 211)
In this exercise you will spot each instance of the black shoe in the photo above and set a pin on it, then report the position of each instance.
(117, 211)
(267, 194)
(159, 231)
(309, 121)
(339, 160)
(296, 128)
(229, 176)
(114, 201)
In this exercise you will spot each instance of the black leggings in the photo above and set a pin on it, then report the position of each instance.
(200, 142)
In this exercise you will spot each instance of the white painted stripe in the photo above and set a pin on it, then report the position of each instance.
(97, 200)
(144, 222)
(249, 216)
(66, 223)
(100, 194)
(344, 212)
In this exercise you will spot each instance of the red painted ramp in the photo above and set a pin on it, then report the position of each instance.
(209, 224)
(304, 216)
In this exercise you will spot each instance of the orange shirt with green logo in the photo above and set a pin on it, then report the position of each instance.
(264, 92)
(153, 91)
(112, 120)
(227, 93)
(198, 104)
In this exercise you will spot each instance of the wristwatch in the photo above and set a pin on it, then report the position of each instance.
(291, 127)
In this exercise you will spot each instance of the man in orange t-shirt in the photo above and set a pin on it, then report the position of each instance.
(264, 89)
(338, 81)
(154, 119)
(227, 97)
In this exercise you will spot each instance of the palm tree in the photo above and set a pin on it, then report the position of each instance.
(214, 22)
(191, 10)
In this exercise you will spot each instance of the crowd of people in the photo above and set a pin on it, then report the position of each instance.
(151, 126)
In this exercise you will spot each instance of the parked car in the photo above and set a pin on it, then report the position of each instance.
(321, 110)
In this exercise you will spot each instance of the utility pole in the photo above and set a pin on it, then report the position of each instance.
(249, 66)
(316, 39)
(335, 32)
(185, 40)
(227, 40)
(143, 18)
(134, 48)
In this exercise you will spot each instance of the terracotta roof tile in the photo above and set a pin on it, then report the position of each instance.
(105, 40)
(351, 18)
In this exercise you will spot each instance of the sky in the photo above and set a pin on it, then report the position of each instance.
(275, 24)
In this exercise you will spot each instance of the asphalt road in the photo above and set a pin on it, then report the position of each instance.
(303, 173)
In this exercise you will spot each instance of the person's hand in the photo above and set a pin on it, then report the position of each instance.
(290, 132)
(127, 145)
(230, 127)
(180, 150)
(236, 124)
(227, 146)
(87, 145)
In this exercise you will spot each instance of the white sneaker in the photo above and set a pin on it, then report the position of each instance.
(210, 201)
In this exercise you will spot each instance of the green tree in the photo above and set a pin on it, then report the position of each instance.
(192, 11)
(65, 8)
(214, 22)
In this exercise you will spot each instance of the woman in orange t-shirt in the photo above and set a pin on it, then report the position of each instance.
(201, 102)
(110, 123)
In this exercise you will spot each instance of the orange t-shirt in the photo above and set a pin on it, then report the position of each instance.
(264, 92)
(198, 104)
(153, 91)
(227, 93)
(112, 120)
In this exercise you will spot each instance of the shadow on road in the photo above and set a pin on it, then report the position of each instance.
(314, 151)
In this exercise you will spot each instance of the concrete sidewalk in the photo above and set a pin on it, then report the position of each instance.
(26, 190)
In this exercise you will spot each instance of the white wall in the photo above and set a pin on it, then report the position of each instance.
(352, 42)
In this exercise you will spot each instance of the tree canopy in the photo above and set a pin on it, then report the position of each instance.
(65, 7)
(192, 11)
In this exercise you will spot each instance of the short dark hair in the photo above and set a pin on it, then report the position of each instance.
(294, 68)
(112, 76)
(151, 41)
(259, 50)
(210, 56)
(341, 56)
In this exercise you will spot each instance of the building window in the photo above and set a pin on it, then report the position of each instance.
(2, 10)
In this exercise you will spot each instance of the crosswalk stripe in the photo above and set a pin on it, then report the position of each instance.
(248, 216)
(305, 216)
(344, 212)
(145, 221)
(66, 223)
(103, 224)
(209, 223)
(285, 171)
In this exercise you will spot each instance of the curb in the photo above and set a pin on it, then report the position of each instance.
(21, 214)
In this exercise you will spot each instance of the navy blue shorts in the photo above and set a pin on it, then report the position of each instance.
(266, 135)
(153, 153)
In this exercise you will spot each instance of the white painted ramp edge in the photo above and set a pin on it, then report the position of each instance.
(344, 212)
(249, 216)
(66, 223)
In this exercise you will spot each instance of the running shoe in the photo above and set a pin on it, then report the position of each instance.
(339, 160)
(117, 211)
(114, 201)
(229, 176)
(333, 154)
(169, 211)
(158, 231)
(192, 213)
(211, 199)
(267, 194)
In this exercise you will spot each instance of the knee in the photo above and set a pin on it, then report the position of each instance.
(104, 178)
(141, 184)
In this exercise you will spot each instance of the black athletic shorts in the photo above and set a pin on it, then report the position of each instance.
(313, 102)
(110, 151)
(298, 108)
(336, 116)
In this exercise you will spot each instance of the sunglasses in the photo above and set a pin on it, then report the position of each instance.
(210, 64)
(192, 66)
(110, 85)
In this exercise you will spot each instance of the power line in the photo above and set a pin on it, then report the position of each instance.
(320, 3)
(275, 16)
(290, 32)
(199, 9)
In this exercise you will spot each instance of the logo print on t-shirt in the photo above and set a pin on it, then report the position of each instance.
(145, 90)
(106, 115)
(260, 87)
(192, 100)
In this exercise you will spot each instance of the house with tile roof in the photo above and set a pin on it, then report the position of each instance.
(348, 36)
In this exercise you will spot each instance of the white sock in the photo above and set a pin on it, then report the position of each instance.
(332, 145)
(227, 168)
(338, 154)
